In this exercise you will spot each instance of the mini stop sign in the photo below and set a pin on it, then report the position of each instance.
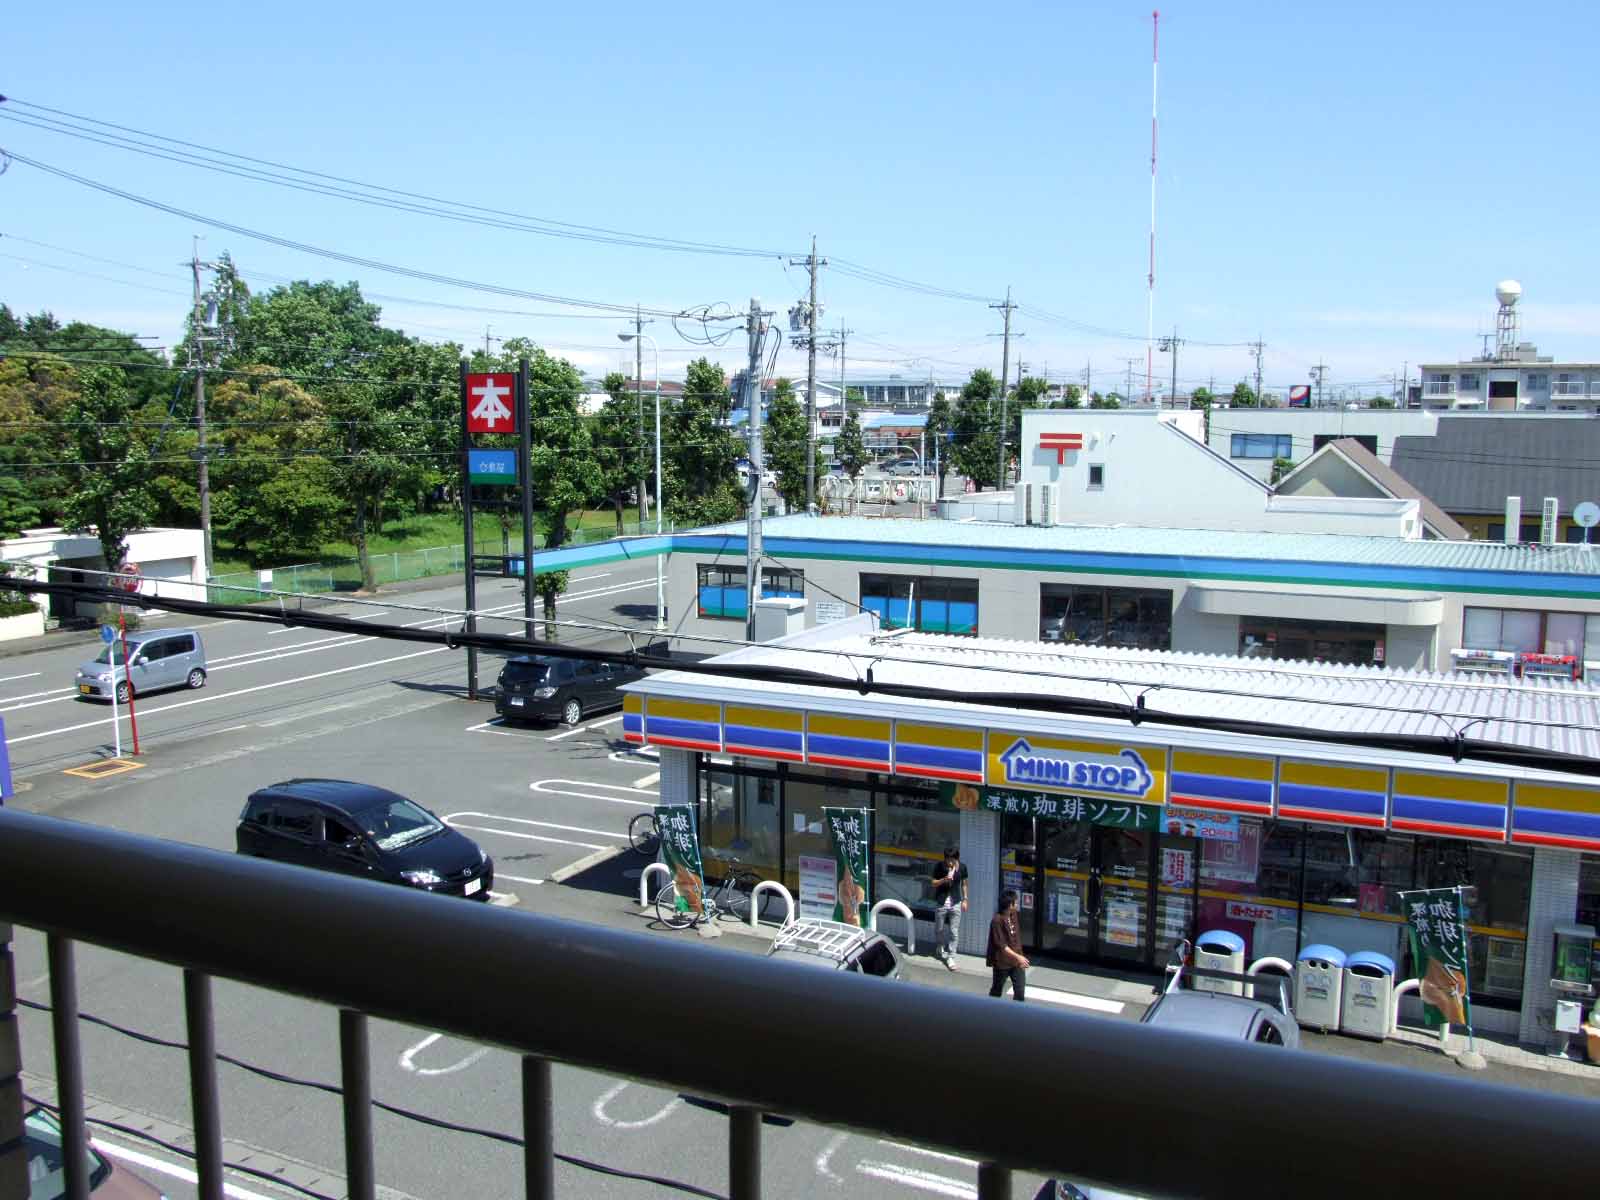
(489, 403)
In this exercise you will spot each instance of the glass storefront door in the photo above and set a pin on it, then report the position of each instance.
(1097, 889)
(1121, 893)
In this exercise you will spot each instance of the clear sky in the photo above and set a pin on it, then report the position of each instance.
(1347, 182)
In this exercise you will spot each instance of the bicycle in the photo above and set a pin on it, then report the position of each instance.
(644, 834)
(731, 896)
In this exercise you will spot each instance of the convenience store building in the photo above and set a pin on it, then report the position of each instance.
(1134, 798)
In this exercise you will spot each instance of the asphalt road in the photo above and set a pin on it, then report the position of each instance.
(281, 704)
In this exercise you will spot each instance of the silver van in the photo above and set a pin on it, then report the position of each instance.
(159, 658)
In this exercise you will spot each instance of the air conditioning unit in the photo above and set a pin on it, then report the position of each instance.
(1022, 500)
(1550, 523)
(1049, 498)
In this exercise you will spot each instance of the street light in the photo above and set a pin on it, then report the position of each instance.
(661, 581)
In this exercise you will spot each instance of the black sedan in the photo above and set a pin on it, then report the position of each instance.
(362, 830)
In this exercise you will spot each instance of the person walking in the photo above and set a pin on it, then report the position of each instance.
(950, 901)
(1005, 957)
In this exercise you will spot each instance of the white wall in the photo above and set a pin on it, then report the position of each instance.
(1304, 425)
(1154, 471)
(173, 560)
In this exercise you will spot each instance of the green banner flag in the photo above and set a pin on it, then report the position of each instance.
(1439, 934)
(680, 848)
(850, 833)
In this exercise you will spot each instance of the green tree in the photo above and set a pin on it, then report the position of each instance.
(1071, 397)
(786, 445)
(703, 482)
(941, 422)
(1201, 397)
(850, 448)
(1109, 400)
(110, 490)
(1380, 402)
(1243, 396)
(1281, 467)
(976, 449)
(1030, 392)
(617, 445)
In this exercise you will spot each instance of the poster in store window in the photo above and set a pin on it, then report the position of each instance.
(1122, 922)
(1237, 861)
(850, 833)
(680, 846)
(1177, 868)
(817, 881)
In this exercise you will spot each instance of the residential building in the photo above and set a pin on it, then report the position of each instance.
(1347, 468)
(1472, 465)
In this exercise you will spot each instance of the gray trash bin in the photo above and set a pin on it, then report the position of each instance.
(1219, 950)
(1367, 1006)
(1318, 983)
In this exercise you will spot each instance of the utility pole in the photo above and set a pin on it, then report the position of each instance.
(1257, 347)
(1127, 395)
(204, 318)
(1318, 372)
(638, 399)
(811, 262)
(1005, 370)
(487, 339)
(756, 326)
(1171, 344)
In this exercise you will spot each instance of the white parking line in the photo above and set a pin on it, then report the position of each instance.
(647, 781)
(29, 675)
(1073, 1000)
(926, 1181)
(662, 1114)
(543, 787)
(577, 729)
(408, 1063)
(450, 819)
(260, 687)
(54, 695)
(499, 874)
(953, 1158)
(150, 1163)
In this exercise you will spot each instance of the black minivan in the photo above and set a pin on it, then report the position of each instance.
(538, 687)
(358, 829)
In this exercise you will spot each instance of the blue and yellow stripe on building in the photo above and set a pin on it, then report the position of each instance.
(1552, 815)
(1226, 783)
(860, 743)
(633, 718)
(938, 752)
(1339, 795)
(764, 732)
(1450, 805)
(686, 724)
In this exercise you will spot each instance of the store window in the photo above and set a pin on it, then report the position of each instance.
(1261, 445)
(1351, 892)
(1525, 533)
(739, 819)
(720, 595)
(805, 837)
(1528, 631)
(1072, 613)
(1311, 641)
(1250, 885)
(1498, 917)
(911, 829)
(1589, 900)
(932, 604)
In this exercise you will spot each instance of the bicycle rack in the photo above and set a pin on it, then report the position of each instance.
(645, 898)
(900, 910)
(1400, 989)
(1261, 964)
(770, 885)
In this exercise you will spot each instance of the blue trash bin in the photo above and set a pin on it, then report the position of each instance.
(1318, 983)
(1367, 1007)
(1219, 950)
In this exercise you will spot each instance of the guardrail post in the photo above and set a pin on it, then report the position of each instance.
(203, 1083)
(13, 1152)
(645, 896)
(69, 1063)
(538, 1129)
(355, 1070)
(744, 1153)
(899, 909)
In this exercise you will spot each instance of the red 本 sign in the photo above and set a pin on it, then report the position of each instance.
(490, 408)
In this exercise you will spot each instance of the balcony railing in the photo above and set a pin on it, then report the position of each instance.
(1574, 388)
(1090, 1099)
(1435, 388)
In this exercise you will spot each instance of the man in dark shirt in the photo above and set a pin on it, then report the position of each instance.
(950, 901)
(1005, 957)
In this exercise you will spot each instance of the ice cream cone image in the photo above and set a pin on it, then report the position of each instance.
(851, 894)
(1445, 989)
(966, 797)
(688, 885)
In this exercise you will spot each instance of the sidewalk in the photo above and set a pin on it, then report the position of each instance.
(604, 890)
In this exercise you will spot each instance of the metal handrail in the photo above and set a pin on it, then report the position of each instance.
(1140, 1102)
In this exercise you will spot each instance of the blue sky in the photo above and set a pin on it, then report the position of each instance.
(1346, 181)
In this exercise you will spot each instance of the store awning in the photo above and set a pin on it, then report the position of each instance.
(1314, 606)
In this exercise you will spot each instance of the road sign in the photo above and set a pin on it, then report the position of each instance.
(107, 634)
(489, 403)
(129, 577)
(492, 466)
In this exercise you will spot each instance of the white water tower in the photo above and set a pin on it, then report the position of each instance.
(1507, 292)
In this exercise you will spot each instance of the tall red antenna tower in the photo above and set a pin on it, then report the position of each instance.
(1150, 281)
